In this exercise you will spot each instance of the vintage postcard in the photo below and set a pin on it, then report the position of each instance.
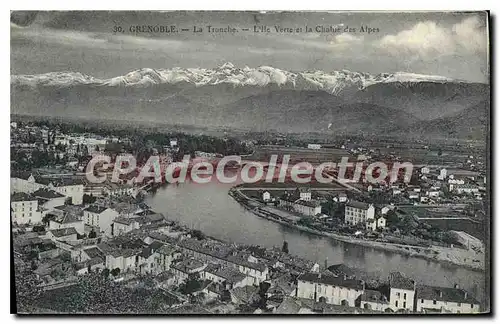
(195, 162)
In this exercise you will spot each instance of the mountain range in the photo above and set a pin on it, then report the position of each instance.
(263, 98)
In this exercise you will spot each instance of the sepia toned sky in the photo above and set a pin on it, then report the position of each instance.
(442, 43)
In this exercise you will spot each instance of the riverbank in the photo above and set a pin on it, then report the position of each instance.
(451, 256)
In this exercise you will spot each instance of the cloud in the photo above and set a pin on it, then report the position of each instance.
(346, 40)
(426, 40)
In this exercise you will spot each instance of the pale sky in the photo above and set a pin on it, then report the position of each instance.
(450, 44)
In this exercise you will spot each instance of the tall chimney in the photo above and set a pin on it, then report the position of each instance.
(457, 286)
(465, 295)
(440, 294)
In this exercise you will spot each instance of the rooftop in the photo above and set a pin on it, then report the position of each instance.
(332, 280)
(47, 194)
(447, 294)
(399, 281)
(358, 204)
(188, 265)
(21, 196)
(64, 232)
(374, 296)
(96, 209)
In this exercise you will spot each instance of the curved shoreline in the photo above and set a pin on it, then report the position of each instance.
(440, 255)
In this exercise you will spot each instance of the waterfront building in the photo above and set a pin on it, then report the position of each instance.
(24, 209)
(431, 299)
(330, 289)
(358, 212)
(402, 292)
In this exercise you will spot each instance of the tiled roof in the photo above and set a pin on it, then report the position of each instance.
(96, 209)
(21, 196)
(47, 194)
(93, 252)
(358, 204)
(188, 265)
(332, 280)
(445, 294)
(231, 275)
(399, 281)
(64, 232)
(374, 296)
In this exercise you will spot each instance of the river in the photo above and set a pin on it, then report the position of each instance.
(209, 208)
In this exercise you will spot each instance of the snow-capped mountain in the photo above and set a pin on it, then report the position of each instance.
(331, 82)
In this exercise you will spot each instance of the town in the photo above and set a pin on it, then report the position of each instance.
(101, 248)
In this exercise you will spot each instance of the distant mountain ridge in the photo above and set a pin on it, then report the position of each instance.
(260, 99)
(332, 82)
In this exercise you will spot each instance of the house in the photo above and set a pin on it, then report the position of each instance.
(90, 253)
(381, 222)
(396, 191)
(49, 199)
(59, 219)
(433, 193)
(358, 212)
(402, 292)
(165, 256)
(340, 197)
(187, 268)
(266, 196)
(305, 194)
(244, 295)
(123, 259)
(229, 277)
(341, 269)
(384, 210)
(67, 186)
(101, 217)
(23, 182)
(122, 225)
(314, 146)
(330, 289)
(301, 203)
(413, 195)
(425, 170)
(63, 234)
(374, 300)
(464, 189)
(442, 174)
(256, 270)
(92, 265)
(457, 181)
(445, 300)
(24, 208)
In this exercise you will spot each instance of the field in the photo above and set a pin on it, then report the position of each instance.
(298, 154)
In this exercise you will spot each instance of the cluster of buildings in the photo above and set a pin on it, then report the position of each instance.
(299, 201)
(401, 294)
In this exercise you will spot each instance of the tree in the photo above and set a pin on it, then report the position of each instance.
(92, 234)
(115, 272)
(285, 247)
(26, 285)
(38, 228)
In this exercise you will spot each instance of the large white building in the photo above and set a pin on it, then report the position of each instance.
(358, 212)
(301, 202)
(101, 217)
(336, 290)
(68, 186)
(402, 292)
(60, 219)
(24, 208)
(445, 300)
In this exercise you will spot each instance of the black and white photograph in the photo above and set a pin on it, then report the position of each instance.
(250, 163)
